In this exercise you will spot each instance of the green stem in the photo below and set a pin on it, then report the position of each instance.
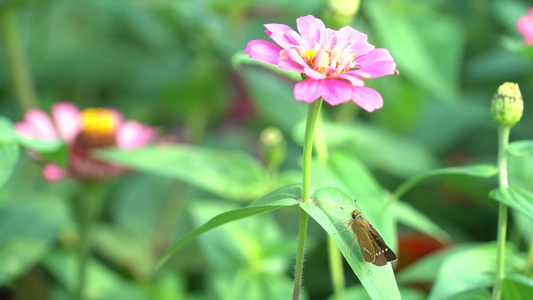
(503, 143)
(312, 116)
(88, 208)
(336, 270)
(20, 73)
(334, 254)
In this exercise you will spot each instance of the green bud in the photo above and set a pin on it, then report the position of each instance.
(507, 105)
(274, 147)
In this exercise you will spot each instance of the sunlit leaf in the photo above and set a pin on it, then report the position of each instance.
(325, 209)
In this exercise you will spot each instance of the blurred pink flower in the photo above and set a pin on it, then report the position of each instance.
(82, 131)
(333, 63)
(525, 27)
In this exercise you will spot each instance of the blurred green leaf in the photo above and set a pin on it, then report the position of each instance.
(7, 132)
(9, 154)
(517, 287)
(285, 196)
(378, 148)
(274, 98)
(517, 198)
(102, 283)
(473, 294)
(431, 60)
(379, 282)
(474, 170)
(28, 231)
(471, 269)
(234, 175)
(242, 252)
(425, 269)
(521, 148)
(411, 217)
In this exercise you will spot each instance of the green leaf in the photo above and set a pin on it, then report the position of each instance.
(471, 269)
(344, 171)
(425, 269)
(325, 209)
(7, 132)
(285, 196)
(228, 174)
(28, 231)
(521, 148)
(473, 170)
(274, 98)
(375, 146)
(431, 60)
(9, 154)
(411, 217)
(101, 283)
(517, 287)
(517, 198)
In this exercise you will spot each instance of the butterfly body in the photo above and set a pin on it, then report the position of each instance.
(372, 245)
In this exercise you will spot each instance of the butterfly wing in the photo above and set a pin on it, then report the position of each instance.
(384, 253)
(365, 243)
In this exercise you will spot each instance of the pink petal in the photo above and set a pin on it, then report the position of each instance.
(336, 91)
(132, 134)
(354, 80)
(333, 91)
(41, 125)
(263, 51)
(67, 119)
(283, 35)
(308, 90)
(311, 29)
(367, 98)
(25, 130)
(524, 26)
(53, 172)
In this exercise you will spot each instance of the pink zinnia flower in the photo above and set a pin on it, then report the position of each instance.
(82, 131)
(334, 63)
(525, 27)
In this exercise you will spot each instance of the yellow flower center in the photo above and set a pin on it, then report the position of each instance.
(99, 121)
(336, 59)
(98, 128)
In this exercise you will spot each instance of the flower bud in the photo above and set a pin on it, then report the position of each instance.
(274, 146)
(507, 105)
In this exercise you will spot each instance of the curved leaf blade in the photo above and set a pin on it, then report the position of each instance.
(521, 148)
(325, 209)
(285, 196)
(9, 155)
(411, 217)
(473, 170)
(229, 174)
(517, 198)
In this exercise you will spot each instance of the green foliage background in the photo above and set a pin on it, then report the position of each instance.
(178, 65)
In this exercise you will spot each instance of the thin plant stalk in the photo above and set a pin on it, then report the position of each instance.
(334, 254)
(21, 78)
(312, 116)
(503, 144)
(87, 210)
